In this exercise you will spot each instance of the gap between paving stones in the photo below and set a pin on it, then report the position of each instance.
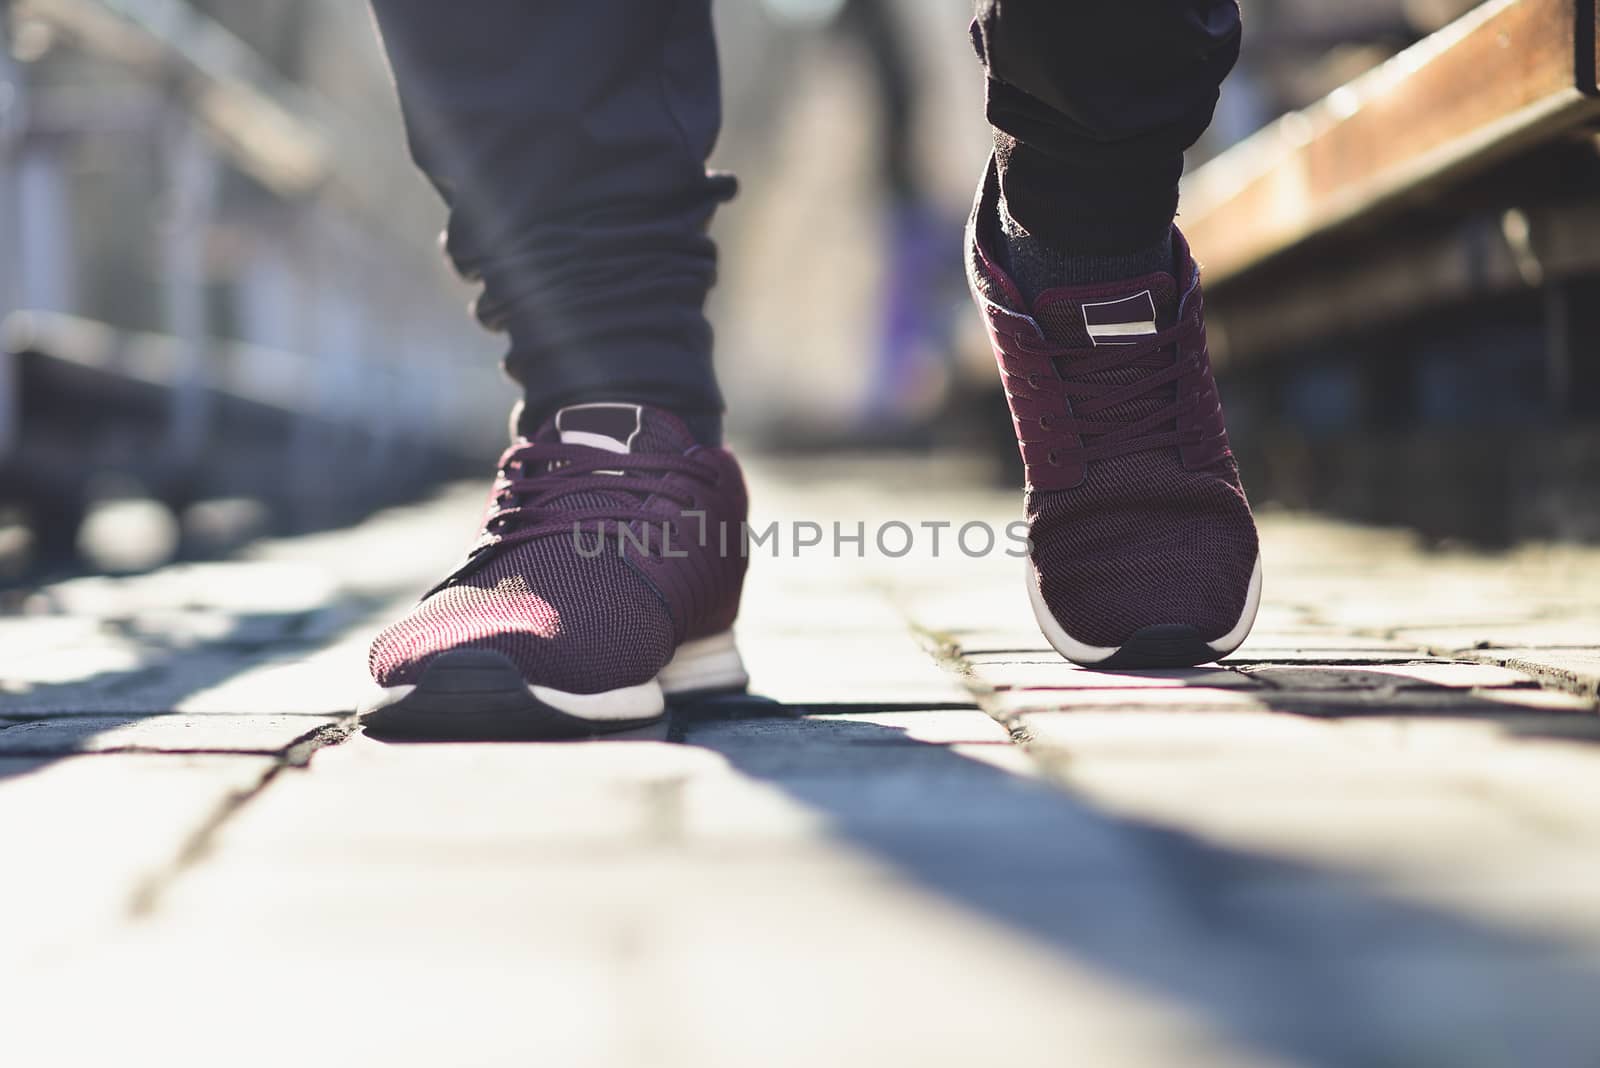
(1550, 676)
(146, 896)
(9, 748)
(1531, 659)
(946, 651)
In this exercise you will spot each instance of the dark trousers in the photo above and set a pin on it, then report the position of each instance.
(569, 140)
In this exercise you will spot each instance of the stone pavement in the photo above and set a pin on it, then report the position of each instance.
(1369, 839)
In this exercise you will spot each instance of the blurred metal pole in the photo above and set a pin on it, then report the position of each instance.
(1572, 348)
(42, 235)
(12, 123)
(192, 176)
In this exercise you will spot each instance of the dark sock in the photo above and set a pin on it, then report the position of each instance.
(705, 426)
(1036, 266)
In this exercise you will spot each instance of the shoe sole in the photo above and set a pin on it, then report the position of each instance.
(1169, 645)
(479, 695)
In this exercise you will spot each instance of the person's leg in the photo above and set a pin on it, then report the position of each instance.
(1143, 548)
(1093, 105)
(569, 141)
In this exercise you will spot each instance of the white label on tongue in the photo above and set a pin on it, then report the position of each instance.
(1121, 322)
(611, 427)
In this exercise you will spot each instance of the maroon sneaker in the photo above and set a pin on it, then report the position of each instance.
(606, 579)
(1144, 551)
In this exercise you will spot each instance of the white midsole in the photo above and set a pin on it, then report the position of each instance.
(1090, 655)
(702, 665)
(644, 701)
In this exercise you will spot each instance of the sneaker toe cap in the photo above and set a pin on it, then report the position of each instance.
(607, 631)
(1194, 570)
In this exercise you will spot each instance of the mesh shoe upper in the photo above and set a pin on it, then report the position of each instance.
(1135, 510)
(555, 586)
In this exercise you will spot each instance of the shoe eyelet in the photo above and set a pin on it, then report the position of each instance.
(1044, 422)
(1033, 379)
(1054, 458)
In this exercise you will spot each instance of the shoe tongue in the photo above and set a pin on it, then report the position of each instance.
(1119, 314)
(623, 429)
(1084, 317)
(618, 428)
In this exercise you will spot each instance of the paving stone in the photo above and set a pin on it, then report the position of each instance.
(25, 636)
(1237, 755)
(1181, 699)
(1418, 804)
(1338, 642)
(778, 608)
(330, 682)
(1574, 670)
(163, 733)
(1100, 733)
(1006, 656)
(245, 588)
(154, 683)
(80, 835)
(1352, 653)
(977, 605)
(1468, 703)
(1281, 616)
(936, 726)
(1449, 595)
(1569, 633)
(890, 668)
(1058, 674)
(187, 627)
(1312, 636)
(1486, 732)
(97, 659)
(1023, 641)
(205, 681)
(915, 729)
(845, 746)
(1416, 675)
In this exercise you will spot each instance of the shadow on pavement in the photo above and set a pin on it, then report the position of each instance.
(1321, 967)
(102, 701)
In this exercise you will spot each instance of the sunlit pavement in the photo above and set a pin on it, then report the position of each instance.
(1369, 839)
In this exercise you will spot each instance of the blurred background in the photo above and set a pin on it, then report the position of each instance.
(220, 276)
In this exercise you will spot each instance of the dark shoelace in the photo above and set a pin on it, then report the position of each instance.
(1100, 436)
(536, 480)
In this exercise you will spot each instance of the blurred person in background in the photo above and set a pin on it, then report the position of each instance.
(570, 141)
(911, 346)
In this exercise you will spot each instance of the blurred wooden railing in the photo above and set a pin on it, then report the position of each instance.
(1403, 283)
(1509, 75)
(335, 337)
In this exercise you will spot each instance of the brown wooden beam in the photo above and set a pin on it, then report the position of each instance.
(1504, 77)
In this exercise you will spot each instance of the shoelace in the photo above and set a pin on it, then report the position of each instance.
(535, 478)
(1102, 438)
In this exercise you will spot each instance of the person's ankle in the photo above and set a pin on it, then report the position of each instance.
(706, 426)
(1036, 265)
